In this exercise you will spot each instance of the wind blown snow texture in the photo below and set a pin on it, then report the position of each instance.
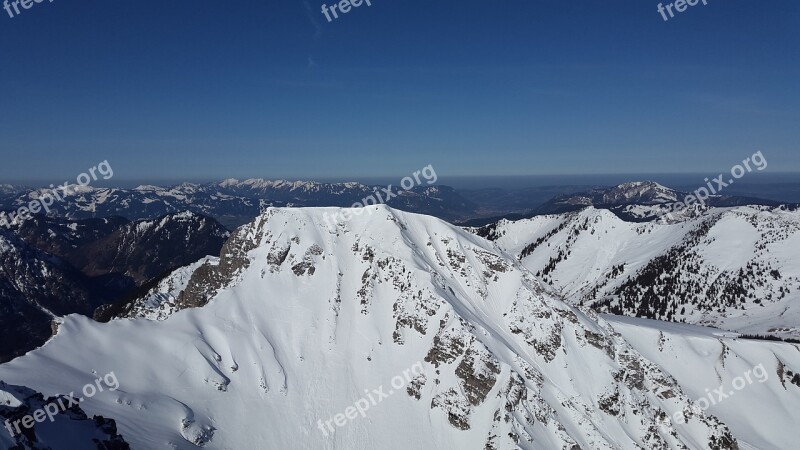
(299, 317)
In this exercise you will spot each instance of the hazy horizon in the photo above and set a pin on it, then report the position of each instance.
(769, 185)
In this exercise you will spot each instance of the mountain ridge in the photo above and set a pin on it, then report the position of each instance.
(506, 363)
(728, 267)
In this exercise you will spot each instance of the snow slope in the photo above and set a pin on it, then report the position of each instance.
(735, 268)
(763, 414)
(301, 318)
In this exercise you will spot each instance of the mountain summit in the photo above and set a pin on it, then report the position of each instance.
(637, 201)
(300, 318)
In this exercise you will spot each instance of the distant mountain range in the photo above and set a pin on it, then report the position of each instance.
(233, 202)
(633, 201)
(623, 198)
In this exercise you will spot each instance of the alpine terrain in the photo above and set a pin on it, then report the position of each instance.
(735, 268)
(301, 318)
(53, 267)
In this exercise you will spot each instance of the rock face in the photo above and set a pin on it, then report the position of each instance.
(734, 268)
(302, 318)
(158, 299)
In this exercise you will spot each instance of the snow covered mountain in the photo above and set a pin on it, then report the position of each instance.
(157, 299)
(8, 192)
(635, 192)
(297, 335)
(234, 202)
(637, 200)
(145, 202)
(734, 268)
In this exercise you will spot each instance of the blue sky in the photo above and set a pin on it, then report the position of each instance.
(210, 89)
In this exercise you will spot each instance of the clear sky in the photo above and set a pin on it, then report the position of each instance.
(188, 89)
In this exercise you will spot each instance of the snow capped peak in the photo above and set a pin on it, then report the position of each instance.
(641, 186)
(79, 189)
(356, 296)
(593, 257)
(630, 193)
(640, 191)
(147, 187)
(299, 185)
(168, 220)
(228, 182)
(261, 183)
(187, 186)
(7, 189)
